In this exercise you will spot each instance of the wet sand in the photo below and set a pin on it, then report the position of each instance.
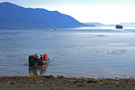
(63, 83)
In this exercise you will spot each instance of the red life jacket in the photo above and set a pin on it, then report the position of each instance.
(45, 56)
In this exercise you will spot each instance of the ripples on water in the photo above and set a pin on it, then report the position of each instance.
(73, 52)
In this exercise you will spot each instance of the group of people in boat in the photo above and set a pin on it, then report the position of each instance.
(34, 59)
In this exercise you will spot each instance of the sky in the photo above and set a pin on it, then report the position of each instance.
(103, 11)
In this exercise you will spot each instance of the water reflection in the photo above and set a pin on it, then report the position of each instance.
(37, 71)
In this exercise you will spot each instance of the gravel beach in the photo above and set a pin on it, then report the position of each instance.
(63, 83)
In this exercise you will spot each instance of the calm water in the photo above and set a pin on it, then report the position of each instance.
(73, 52)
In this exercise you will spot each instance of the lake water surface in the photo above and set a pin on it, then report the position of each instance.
(73, 52)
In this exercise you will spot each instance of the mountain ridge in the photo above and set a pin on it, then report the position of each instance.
(14, 16)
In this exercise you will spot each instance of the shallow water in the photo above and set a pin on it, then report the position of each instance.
(73, 52)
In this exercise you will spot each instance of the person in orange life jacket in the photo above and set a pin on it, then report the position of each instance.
(45, 56)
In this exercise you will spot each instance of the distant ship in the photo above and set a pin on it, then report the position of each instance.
(119, 27)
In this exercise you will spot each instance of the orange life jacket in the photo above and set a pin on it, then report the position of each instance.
(45, 56)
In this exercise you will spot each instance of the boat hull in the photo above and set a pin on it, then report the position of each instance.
(43, 62)
(119, 27)
(38, 62)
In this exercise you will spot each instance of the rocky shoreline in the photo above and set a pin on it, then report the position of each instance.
(63, 83)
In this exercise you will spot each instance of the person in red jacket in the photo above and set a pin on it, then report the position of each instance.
(45, 56)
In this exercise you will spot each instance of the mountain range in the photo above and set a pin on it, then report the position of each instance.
(14, 16)
(97, 24)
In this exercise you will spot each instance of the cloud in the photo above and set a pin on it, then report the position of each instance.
(108, 14)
